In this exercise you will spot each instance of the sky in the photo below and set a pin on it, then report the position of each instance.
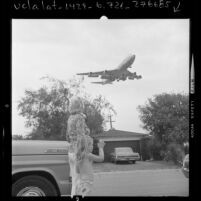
(60, 48)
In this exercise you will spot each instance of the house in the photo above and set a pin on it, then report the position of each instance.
(118, 138)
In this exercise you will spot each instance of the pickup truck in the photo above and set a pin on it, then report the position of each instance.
(40, 168)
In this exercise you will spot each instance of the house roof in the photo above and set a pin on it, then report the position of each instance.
(119, 133)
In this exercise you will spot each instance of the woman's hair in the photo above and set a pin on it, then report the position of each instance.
(83, 143)
(76, 105)
(76, 126)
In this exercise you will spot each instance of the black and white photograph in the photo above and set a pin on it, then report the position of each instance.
(100, 107)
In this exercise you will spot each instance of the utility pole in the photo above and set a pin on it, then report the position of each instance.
(110, 120)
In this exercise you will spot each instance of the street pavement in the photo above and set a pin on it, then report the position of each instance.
(165, 182)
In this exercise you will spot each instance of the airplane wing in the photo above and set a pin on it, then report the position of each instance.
(82, 73)
(105, 82)
(92, 73)
(96, 74)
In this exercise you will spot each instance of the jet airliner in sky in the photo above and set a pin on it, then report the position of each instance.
(121, 72)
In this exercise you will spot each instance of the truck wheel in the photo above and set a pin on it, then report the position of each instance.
(33, 186)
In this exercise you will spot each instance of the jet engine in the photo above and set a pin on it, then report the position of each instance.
(92, 75)
(105, 76)
(123, 77)
(108, 77)
(131, 77)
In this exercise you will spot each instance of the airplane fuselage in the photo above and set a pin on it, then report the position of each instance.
(126, 63)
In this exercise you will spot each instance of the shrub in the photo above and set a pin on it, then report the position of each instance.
(95, 146)
(175, 153)
(145, 152)
(155, 148)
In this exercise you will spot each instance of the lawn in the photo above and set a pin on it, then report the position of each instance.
(139, 165)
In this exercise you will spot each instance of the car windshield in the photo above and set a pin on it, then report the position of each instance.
(124, 150)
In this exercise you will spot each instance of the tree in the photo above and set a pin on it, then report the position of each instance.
(97, 111)
(46, 109)
(166, 117)
(17, 137)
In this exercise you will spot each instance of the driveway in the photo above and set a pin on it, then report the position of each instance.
(159, 182)
(139, 165)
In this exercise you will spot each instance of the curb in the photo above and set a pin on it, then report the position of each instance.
(129, 171)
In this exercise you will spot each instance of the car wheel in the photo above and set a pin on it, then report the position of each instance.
(36, 186)
(134, 162)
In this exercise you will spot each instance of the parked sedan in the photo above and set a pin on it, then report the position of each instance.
(185, 167)
(124, 154)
